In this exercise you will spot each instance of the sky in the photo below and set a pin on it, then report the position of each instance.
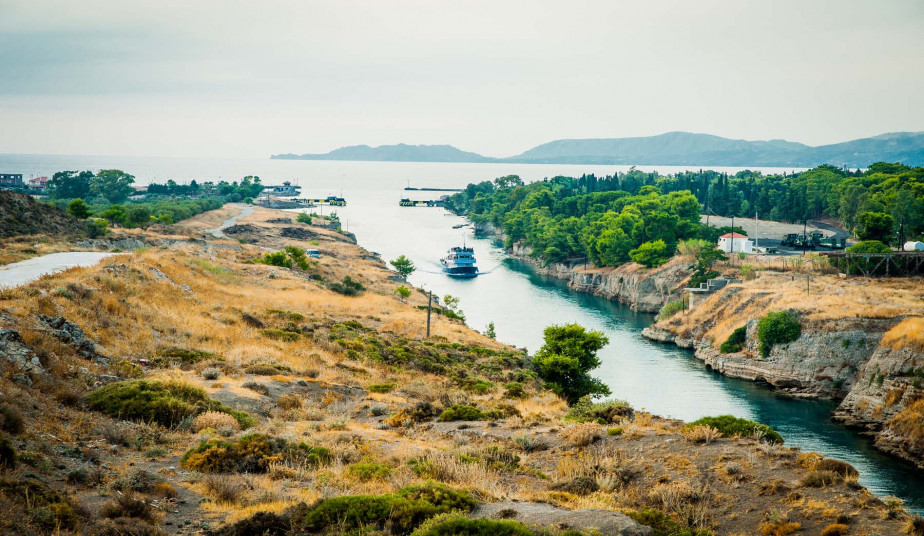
(249, 79)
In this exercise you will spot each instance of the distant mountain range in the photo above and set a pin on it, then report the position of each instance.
(672, 148)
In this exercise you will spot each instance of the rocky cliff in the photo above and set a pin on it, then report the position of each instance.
(642, 289)
(849, 354)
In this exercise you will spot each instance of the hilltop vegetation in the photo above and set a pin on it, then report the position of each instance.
(642, 216)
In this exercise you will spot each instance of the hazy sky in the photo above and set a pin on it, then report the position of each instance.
(234, 78)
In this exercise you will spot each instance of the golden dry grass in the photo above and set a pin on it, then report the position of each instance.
(909, 333)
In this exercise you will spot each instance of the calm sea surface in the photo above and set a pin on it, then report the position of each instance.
(662, 379)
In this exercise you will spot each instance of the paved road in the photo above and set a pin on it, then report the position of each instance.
(247, 210)
(21, 273)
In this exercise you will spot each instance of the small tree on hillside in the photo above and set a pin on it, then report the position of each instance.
(565, 360)
(404, 266)
(79, 209)
(875, 226)
(403, 293)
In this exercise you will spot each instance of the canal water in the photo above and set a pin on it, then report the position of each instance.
(662, 379)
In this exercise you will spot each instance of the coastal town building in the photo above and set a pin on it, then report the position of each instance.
(38, 183)
(735, 243)
(11, 180)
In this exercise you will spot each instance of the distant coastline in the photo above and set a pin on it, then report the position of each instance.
(670, 149)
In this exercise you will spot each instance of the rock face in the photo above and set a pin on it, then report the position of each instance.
(13, 349)
(642, 289)
(603, 522)
(70, 333)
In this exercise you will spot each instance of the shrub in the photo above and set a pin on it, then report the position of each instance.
(835, 529)
(607, 412)
(183, 355)
(8, 458)
(129, 505)
(122, 526)
(670, 309)
(662, 523)
(348, 287)
(281, 335)
(729, 425)
(462, 412)
(582, 435)
(366, 472)
(226, 489)
(747, 272)
(211, 373)
(514, 390)
(915, 525)
(842, 468)
(252, 453)
(820, 479)
(381, 388)
(214, 420)
(289, 402)
(261, 523)
(401, 512)
(777, 328)
(165, 403)
(11, 420)
(459, 525)
(735, 342)
(582, 485)
(701, 433)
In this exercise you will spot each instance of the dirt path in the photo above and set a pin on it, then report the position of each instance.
(246, 210)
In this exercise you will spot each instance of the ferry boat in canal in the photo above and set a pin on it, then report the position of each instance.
(460, 262)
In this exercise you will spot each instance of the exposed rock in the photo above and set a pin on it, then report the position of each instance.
(604, 522)
(13, 350)
(124, 244)
(298, 233)
(70, 333)
(641, 289)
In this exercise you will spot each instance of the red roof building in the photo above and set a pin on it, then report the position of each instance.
(38, 183)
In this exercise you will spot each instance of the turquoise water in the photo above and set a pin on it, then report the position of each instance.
(662, 379)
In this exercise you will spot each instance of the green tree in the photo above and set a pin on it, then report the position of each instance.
(650, 254)
(115, 214)
(489, 331)
(875, 226)
(403, 265)
(79, 209)
(70, 185)
(565, 360)
(138, 216)
(403, 293)
(113, 184)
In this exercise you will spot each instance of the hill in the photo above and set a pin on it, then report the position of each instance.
(23, 215)
(394, 153)
(672, 148)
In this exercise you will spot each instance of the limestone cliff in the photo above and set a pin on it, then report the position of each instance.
(849, 352)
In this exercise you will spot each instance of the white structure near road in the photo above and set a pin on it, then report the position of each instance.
(913, 246)
(736, 243)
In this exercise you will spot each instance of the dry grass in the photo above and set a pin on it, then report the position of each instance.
(215, 420)
(909, 333)
(581, 435)
(909, 424)
(701, 434)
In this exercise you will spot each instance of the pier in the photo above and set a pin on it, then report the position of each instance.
(431, 203)
(412, 189)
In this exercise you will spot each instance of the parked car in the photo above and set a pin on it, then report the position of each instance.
(313, 253)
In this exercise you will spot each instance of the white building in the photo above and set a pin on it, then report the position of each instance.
(736, 243)
(913, 246)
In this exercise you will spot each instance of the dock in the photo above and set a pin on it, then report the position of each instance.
(430, 203)
(412, 189)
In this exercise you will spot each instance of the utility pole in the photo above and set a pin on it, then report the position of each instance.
(429, 306)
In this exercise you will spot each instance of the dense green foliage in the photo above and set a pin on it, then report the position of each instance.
(607, 412)
(603, 219)
(869, 246)
(669, 309)
(249, 186)
(462, 412)
(252, 453)
(565, 360)
(663, 525)
(735, 342)
(458, 525)
(729, 425)
(291, 257)
(151, 401)
(347, 287)
(79, 209)
(403, 265)
(402, 511)
(777, 328)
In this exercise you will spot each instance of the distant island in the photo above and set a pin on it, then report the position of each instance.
(672, 148)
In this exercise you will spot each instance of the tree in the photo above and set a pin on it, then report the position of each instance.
(565, 360)
(79, 209)
(452, 303)
(404, 266)
(875, 226)
(137, 216)
(113, 184)
(489, 331)
(70, 185)
(650, 254)
(403, 293)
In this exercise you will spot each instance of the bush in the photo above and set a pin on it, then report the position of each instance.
(729, 425)
(261, 523)
(122, 526)
(583, 434)
(777, 328)
(401, 512)
(165, 403)
(842, 468)
(289, 402)
(129, 505)
(735, 342)
(820, 479)
(215, 420)
(459, 525)
(670, 309)
(835, 529)
(348, 287)
(281, 335)
(252, 453)
(11, 420)
(663, 525)
(366, 472)
(211, 373)
(226, 489)
(607, 412)
(514, 390)
(650, 254)
(8, 458)
(462, 412)
(381, 388)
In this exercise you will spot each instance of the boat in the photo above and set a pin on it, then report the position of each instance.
(460, 262)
